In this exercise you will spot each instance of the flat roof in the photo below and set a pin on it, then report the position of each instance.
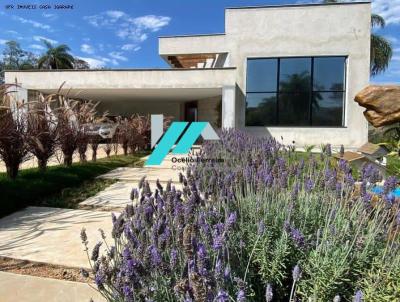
(194, 35)
(298, 5)
(119, 69)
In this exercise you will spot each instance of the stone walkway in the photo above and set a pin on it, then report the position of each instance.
(15, 287)
(117, 195)
(52, 235)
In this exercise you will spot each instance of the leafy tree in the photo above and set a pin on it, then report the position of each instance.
(15, 58)
(381, 48)
(56, 57)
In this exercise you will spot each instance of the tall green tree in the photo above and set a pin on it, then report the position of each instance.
(56, 57)
(15, 58)
(381, 48)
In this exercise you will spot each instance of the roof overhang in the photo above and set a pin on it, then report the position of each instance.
(108, 85)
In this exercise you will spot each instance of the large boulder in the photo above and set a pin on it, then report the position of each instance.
(382, 104)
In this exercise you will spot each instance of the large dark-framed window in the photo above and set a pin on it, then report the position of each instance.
(296, 91)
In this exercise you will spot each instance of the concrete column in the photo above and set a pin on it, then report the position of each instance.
(228, 107)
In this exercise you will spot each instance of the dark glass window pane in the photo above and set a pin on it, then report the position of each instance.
(329, 73)
(295, 75)
(261, 75)
(294, 109)
(327, 109)
(260, 109)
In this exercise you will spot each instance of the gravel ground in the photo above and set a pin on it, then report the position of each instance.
(37, 269)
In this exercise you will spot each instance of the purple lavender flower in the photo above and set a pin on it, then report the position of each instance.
(309, 185)
(159, 186)
(295, 191)
(297, 237)
(227, 273)
(95, 251)
(222, 296)
(390, 184)
(241, 296)
(141, 182)
(218, 268)
(261, 228)
(342, 164)
(268, 293)
(127, 290)
(358, 297)
(328, 150)
(296, 274)
(218, 242)
(173, 258)
(84, 236)
(231, 220)
(99, 279)
(370, 173)
(134, 194)
(155, 256)
(349, 179)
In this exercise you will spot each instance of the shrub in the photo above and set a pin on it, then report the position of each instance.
(13, 147)
(41, 130)
(270, 223)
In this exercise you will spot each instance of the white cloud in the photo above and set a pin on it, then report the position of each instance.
(396, 58)
(127, 27)
(127, 47)
(3, 42)
(11, 32)
(37, 47)
(41, 38)
(86, 48)
(151, 22)
(49, 16)
(117, 56)
(388, 9)
(115, 14)
(32, 22)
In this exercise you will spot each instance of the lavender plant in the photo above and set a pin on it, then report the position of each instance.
(267, 224)
(169, 246)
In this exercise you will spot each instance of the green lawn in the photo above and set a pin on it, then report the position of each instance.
(59, 186)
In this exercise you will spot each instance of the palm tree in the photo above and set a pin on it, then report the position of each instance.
(381, 48)
(56, 57)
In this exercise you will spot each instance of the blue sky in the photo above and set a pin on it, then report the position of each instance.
(123, 33)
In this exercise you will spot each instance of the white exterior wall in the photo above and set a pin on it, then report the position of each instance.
(319, 30)
(123, 79)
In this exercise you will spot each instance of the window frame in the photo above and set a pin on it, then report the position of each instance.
(312, 91)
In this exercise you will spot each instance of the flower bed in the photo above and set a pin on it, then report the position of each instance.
(265, 225)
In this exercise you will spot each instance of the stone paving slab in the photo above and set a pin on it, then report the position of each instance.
(14, 287)
(51, 235)
(117, 195)
(135, 174)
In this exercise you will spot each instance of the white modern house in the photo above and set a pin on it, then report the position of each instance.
(289, 71)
